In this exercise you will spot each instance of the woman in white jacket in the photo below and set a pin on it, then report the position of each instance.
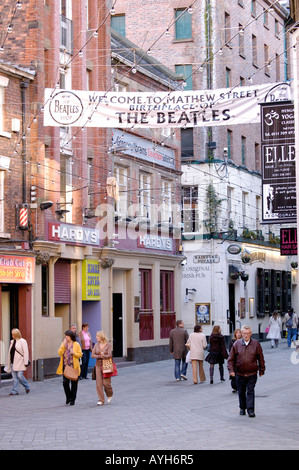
(197, 343)
(17, 361)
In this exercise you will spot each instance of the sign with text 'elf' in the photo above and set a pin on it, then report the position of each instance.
(155, 109)
(90, 280)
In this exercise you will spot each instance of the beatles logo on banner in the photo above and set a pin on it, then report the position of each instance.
(278, 162)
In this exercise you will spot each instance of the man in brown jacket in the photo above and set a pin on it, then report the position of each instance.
(178, 338)
(246, 359)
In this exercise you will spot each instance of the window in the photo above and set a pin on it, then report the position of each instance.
(183, 24)
(266, 60)
(229, 203)
(186, 71)
(146, 317)
(241, 41)
(145, 283)
(144, 194)
(166, 213)
(1, 108)
(118, 23)
(277, 67)
(45, 290)
(227, 28)
(121, 175)
(266, 18)
(1, 201)
(243, 149)
(229, 144)
(190, 214)
(257, 212)
(66, 168)
(228, 77)
(253, 8)
(167, 319)
(254, 50)
(276, 28)
(244, 208)
(257, 156)
(187, 152)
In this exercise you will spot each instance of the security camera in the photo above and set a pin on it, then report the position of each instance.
(45, 205)
(184, 262)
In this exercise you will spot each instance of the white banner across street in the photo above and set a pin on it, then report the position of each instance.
(156, 109)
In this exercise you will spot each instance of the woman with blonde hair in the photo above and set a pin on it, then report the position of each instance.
(102, 350)
(18, 361)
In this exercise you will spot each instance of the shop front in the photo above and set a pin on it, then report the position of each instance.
(17, 276)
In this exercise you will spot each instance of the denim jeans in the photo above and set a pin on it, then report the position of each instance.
(178, 371)
(17, 376)
(292, 335)
(85, 361)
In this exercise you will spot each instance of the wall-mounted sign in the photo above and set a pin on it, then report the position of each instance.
(206, 259)
(234, 249)
(91, 280)
(278, 162)
(142, 148)
(17, 269)
(288, 241)
(73, 234)
(155, 242)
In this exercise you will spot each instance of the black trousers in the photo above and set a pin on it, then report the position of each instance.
(245, 387)
(70, 389)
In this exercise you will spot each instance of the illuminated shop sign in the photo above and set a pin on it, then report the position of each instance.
(90, 280)
(155, 243)
(17, 269)
(73, 234)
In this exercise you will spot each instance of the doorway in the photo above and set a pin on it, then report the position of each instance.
(117, 325)
(232, 307)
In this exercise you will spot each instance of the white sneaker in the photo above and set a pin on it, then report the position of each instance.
(100, 403)
(109, 399)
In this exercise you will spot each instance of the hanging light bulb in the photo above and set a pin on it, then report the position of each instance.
(112, 11)
(9, 29)
(190, 10)
(80, 53)
(19, 6)
(95, 34)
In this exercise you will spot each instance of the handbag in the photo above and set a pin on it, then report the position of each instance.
(188, 359)
(70, 373)
(94, 373)
(107, 365)
(114, 372)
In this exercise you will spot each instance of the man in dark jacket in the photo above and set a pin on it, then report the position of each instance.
(178, 338)
(245, 360)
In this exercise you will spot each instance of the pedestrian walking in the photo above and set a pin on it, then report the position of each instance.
(102, 350)
(18, 361)
(86, 345)
(70, 353)
(291, 323)
(237, 335)
(178, 338)
(197, 343)
(217, 353)
(274, 330)
(245, 360)
(73, 328)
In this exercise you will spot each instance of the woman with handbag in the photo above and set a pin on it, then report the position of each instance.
(70, 353)
(18, 361)
(101, 352)
(197, 343)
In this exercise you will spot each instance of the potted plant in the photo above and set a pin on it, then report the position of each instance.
(244, 276)
(294, 264)
(246, 258)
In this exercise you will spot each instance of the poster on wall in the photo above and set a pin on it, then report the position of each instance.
(278, 162)
(202, 314)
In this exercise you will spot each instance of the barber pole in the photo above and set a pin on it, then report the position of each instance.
(23, 216)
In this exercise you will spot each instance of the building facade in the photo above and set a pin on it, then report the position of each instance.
(222, 45)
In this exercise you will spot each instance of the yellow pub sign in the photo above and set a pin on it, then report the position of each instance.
(90, 280)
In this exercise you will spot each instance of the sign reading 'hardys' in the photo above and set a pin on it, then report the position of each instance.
(196, 108)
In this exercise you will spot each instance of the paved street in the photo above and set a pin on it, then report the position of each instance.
(150, 410)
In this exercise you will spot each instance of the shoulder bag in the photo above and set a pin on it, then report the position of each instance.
(70, 373)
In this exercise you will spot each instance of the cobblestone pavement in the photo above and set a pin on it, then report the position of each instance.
(151, 411)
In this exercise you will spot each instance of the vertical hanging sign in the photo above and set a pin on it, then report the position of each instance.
(278, 162)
